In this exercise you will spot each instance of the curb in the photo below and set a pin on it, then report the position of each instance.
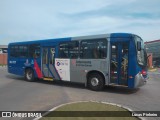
(54, 108)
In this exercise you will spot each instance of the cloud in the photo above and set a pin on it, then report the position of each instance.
(42, 19)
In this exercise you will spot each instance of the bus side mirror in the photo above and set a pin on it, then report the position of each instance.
(139, 46)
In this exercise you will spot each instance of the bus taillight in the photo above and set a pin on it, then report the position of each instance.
(143, 72)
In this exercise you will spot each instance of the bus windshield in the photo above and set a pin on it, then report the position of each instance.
(141, 54)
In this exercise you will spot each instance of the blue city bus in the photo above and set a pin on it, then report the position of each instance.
(116, 59)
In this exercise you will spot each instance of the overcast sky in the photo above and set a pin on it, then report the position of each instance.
(24, 20)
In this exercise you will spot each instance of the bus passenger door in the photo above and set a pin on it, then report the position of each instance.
(48, 60)
(119, 63)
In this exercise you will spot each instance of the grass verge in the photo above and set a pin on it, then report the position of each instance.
(2, 64)
(89, 111)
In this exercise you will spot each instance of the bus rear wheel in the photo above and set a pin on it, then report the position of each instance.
(96, 82)
(29, 75)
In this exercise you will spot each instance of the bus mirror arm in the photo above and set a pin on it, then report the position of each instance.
(139, 46)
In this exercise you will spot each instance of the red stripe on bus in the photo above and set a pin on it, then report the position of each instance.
(37, 69)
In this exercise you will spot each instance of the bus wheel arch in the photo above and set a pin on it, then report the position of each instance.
(29, 74)
(95, 80)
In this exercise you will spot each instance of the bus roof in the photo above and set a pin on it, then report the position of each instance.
(41, 41)
(75, 38)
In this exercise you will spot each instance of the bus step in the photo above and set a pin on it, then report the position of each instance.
(49, 79)
(113, 84)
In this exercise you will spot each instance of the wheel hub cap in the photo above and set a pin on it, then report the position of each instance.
(94, 81)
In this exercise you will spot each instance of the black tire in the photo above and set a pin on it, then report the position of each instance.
(29, 75)
(95, 82)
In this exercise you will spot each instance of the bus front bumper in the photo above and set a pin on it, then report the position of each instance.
(140, 80)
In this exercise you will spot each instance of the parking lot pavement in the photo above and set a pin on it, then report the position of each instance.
(19, 95)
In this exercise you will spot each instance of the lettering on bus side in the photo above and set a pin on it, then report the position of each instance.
(82, 63)
(12, 62)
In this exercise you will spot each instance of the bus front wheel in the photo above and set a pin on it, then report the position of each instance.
(29, 75)
(96, 82)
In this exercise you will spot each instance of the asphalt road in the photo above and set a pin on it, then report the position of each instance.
(19, 95)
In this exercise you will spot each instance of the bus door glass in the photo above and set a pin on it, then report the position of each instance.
(48, 59)
(119, 63)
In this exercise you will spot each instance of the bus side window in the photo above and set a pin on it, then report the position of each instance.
(12, 51)
(34, 51)
(74, 49)
(63, 50)
(23, 51)
(93, 49)
(69, 50)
